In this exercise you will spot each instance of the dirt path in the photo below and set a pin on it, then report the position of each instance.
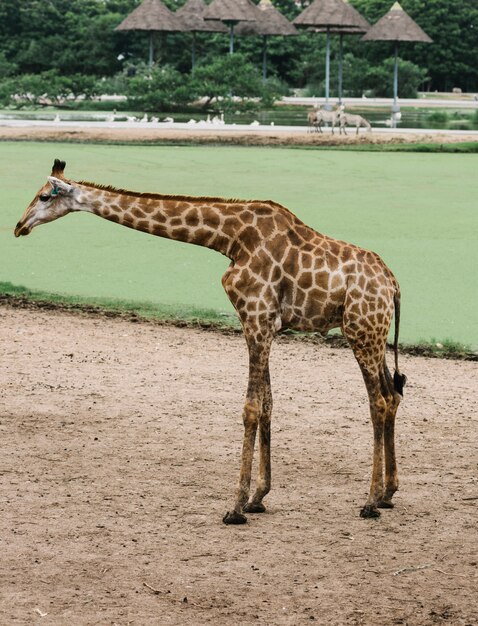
(120, 451)
(244, 136)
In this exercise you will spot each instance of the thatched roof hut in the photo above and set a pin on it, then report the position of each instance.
(396, 25)
(332, 17)
(331, 13)
(151, 15)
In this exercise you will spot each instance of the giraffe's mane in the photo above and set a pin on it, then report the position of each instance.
(160, 196)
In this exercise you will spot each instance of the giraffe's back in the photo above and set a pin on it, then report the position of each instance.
(325, 279)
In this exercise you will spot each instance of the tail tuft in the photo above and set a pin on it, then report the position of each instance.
(399, 382)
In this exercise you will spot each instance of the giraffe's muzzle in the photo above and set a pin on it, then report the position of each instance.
(22, 229)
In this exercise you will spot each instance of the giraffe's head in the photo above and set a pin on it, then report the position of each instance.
(52, 201)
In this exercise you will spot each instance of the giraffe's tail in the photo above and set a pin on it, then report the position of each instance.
(399, 379)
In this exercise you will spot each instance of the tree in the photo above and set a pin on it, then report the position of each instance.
(78, 37)
(229, 77)
(162, 89)
(47, 88)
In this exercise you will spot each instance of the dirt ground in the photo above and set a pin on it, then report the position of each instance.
(120, 453)
(243, 136)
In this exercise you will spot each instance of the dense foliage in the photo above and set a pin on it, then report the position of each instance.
(69, 48)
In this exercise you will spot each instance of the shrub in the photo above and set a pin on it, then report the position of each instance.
(273, 89)
(438, 119)
(47, 88)
(233, 83)
(379, 79)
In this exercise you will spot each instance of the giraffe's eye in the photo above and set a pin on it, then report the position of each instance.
(44, 197)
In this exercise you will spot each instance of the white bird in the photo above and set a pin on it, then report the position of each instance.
(191, 122)
(169, 120)
(154, 120)
(57, 118)
(218, 120)
(130, 118)
(254, 123)
(144, 118)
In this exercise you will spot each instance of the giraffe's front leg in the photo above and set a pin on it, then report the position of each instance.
(251, 420)
(253, 412)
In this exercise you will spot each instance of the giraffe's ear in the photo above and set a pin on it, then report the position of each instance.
(58, 168)
(59, 186)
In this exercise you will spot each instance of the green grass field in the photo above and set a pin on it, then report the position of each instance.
(418, 211)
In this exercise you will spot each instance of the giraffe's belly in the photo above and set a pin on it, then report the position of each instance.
(315, 325)
(314, 315)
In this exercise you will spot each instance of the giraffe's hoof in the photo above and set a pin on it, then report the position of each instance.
(385, 504)
(369, 511)
(252, 507)
(234, 518)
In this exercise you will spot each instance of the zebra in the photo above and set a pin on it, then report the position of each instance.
(347, 119)
(318, 116)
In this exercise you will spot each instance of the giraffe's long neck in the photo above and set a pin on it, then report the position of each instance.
(208, 222)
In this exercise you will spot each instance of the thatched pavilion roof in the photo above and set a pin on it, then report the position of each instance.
(396, 25)
(231, 11)
(191, 16)
(331, 13)
(270, 22)
(151, 15)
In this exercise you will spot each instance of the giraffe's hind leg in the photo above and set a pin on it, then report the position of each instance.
(263, 485)
(378, 412)
(383, 400)
(391, 475)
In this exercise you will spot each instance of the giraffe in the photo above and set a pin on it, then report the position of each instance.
(282, 275)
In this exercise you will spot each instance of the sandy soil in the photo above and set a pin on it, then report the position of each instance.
(248, 137)
(120, 452)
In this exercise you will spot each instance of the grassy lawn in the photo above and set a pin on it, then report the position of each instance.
(418, 211)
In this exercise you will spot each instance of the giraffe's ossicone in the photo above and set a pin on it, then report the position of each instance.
(283, 275)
